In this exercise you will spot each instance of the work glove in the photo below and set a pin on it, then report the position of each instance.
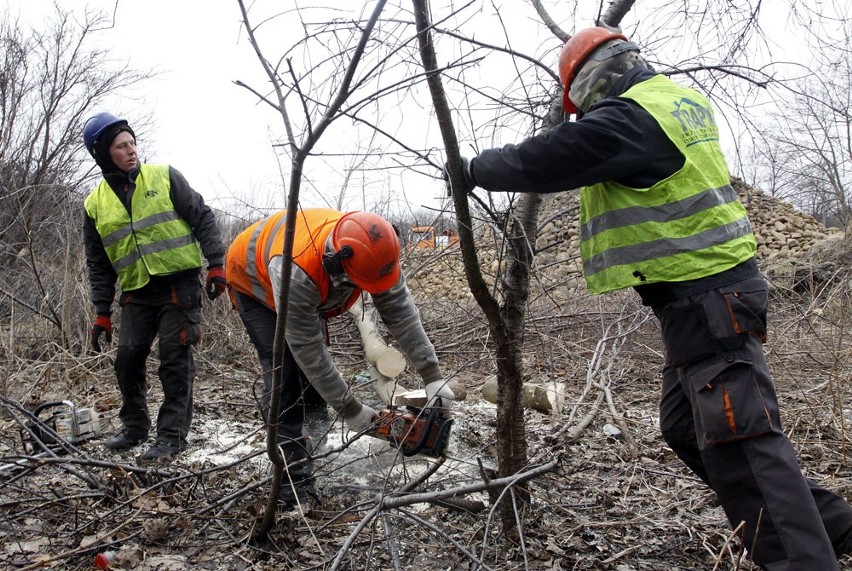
(215, 282)
(440, 395)
(103, 324)
(467, 175)
(363, 420)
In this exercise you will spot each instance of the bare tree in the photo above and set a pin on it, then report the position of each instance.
(50, 81)
(506, 319)
(299, 146)
(806, 157)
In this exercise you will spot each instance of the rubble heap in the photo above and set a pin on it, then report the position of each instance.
(781, 230)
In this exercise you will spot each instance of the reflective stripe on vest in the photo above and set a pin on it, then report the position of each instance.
(154, 241)
(250, 252)
(688, 226)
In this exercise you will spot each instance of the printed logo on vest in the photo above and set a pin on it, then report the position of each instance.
(697, 121)
(151, 193)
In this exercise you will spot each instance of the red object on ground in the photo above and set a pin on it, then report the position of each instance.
(104, 560)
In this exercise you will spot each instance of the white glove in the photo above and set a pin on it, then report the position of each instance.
(363, 420)
(439, 394)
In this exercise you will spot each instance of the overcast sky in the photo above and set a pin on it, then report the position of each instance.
(207, 127)
(204, 125)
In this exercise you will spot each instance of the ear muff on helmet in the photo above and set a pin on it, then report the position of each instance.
(95, 127)
(366, 248)
(332, 262)
(575, 52)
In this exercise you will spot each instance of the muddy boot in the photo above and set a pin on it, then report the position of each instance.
(126, 439)
(161, 450)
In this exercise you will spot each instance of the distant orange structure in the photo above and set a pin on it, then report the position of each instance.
(424, 238)
(421, 238)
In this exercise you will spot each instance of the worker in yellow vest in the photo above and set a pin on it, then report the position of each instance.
(336, 257)
(658, 214)
(147, 229)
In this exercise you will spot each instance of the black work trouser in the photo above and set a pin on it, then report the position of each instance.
(172, 311)
(297, 393)
(719, 413)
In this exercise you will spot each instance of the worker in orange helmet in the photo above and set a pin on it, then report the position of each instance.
(336, 257)
(658, 214)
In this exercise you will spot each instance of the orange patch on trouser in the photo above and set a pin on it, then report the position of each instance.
(729, 410)
(739, 329)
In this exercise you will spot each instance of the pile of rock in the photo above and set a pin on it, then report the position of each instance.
(781, 230)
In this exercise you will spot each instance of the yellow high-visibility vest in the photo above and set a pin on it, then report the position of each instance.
(688, 226)
(154, 240)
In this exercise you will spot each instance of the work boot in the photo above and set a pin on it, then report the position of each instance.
(306, 493)
(125, 440)
(160, 450)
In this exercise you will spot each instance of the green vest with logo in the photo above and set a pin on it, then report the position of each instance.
(687, 226)
(154, 240)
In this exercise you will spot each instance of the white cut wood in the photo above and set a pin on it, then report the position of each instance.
(544, 397)
(388, 361)
(387, 388)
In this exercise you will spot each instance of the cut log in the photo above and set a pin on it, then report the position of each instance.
(388, 361)
(387, 388)
(543, 397)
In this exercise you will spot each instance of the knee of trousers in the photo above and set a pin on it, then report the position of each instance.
(679, 437)
(131, 358)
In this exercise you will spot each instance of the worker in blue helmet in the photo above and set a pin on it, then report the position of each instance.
(146, 229)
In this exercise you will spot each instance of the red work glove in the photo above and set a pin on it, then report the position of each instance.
(103, 324)
(215, 282)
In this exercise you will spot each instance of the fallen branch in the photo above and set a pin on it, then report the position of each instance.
(390, 501)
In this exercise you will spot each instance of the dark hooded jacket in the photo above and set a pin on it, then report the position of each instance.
(189, 205)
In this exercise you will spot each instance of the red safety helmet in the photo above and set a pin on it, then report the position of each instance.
(373, 260)
(575, 52)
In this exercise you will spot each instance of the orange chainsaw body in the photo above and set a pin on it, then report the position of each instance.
(414, 430)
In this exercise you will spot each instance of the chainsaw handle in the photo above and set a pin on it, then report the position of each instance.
(430, 420)
(53, 403)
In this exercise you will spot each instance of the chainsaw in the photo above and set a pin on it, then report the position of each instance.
(413, 430)
(72, 424)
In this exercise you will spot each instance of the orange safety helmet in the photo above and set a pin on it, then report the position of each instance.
(574, 53)
(373, 260)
